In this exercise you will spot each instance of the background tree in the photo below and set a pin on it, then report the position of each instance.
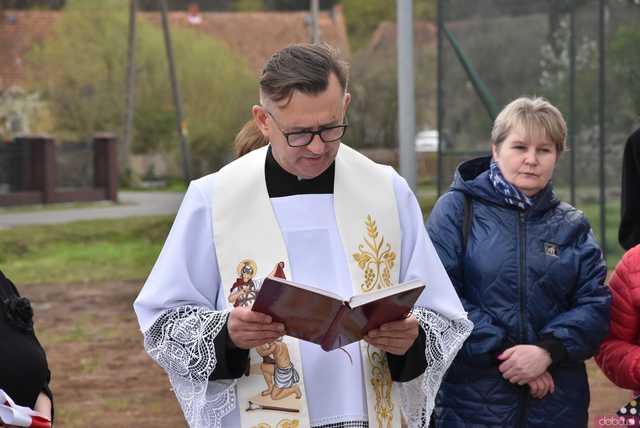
(625, 57)
(81, 71)
(32, 4)
(204, 5)
(373, 112)
(249, 5)
(238, 5)
(364, 16)
(297, 4)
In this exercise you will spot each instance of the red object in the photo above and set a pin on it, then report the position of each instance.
(619, 354)
(39, 422)
(280, 271)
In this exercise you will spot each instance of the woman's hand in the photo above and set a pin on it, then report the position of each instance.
(523, 363)
(542, 385)
(43, 405)
(248, 329)
(394, 337)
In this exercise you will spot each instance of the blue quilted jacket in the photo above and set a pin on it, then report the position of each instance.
(523, 276)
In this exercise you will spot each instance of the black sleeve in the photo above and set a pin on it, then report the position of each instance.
(232, 362)
(629, 232)
(412, 364)
(8, 288)
(554, 347)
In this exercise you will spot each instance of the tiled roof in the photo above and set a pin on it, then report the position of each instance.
(19, 32)
(254, 35)
(257, 35)
(384, 38)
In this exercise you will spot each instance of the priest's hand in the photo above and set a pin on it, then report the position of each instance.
(523, 363)
(394, 337)
(248, 329)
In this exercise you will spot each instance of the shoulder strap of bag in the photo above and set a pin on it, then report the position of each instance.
(467, 219)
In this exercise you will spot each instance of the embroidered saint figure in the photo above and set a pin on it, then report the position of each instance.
(279, 373)
(243, 291)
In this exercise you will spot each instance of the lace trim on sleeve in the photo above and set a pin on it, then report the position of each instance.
(444, 339)
(181, 341)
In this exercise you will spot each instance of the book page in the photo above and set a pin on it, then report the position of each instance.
(309, 288)
(362, 299)
(386, 306)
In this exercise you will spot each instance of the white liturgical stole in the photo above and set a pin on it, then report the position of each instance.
(249, 245)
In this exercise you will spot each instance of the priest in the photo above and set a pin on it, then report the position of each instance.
(328, 217)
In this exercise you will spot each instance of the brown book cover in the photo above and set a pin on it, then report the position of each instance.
(322, 317)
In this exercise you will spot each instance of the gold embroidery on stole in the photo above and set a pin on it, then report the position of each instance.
(373, 257)
(382, 385)
(284, 423)
(376, 259)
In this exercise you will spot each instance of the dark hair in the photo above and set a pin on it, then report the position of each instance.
(302, 67)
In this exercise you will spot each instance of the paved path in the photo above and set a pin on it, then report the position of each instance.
(132, 204)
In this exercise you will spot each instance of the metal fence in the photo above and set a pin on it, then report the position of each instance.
(74, 165)
(34, 169)
(13, 158)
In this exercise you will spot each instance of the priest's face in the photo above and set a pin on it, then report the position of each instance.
(305, 112)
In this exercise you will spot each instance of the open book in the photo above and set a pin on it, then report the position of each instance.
(322, 317)
(20, 416)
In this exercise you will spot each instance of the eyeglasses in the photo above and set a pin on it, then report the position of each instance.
(328, 134)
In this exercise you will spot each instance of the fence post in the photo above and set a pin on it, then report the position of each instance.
(105, 164)
(40, 173)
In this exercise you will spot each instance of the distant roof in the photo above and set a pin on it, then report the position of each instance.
(255, 35)
(19, 32)
(385, 36)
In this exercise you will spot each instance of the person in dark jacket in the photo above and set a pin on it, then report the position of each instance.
(629, 232)
(619, 354)
(24, 373)
(531, 276)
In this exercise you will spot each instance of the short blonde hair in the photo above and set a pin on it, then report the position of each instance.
(536, 116)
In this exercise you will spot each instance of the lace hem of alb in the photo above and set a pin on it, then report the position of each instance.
(182, 342)
(444, 338)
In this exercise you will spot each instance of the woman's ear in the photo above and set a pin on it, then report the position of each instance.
(494, 152)
(260, 117)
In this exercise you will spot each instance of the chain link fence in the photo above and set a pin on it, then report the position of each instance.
(582, 55)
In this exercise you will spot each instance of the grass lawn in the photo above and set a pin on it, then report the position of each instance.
(83, 251)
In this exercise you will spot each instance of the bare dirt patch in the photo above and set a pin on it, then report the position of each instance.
(101, 376)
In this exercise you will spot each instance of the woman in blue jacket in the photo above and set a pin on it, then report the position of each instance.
(530, 275)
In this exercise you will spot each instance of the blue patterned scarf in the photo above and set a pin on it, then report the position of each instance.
(511, 194)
